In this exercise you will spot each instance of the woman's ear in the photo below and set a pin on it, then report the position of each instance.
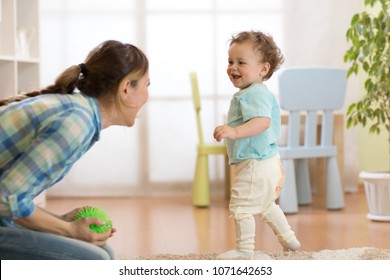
(125, 89)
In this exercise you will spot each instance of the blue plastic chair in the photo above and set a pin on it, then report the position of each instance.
(310, 91)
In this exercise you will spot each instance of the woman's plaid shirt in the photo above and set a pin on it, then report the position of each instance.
(40, 139)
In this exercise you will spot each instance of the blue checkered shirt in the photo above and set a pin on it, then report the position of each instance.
(40, 139)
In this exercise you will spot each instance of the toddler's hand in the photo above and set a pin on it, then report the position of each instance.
(224, 131)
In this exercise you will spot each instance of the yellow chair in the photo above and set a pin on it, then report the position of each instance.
(201, 184)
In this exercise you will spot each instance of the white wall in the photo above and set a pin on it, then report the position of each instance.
(315, 36)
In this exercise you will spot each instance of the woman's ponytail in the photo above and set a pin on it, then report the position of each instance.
(64, 84)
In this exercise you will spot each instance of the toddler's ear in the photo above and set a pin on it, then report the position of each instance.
(265, 68)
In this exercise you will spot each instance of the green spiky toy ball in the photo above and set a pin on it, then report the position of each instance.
(95, 212)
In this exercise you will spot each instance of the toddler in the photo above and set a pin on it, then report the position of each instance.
(251, 134)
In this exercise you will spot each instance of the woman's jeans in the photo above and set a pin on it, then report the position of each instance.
(23, 244)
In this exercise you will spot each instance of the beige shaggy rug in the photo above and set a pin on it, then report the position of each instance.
(364, 253)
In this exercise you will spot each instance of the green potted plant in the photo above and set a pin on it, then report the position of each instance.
(369, 55)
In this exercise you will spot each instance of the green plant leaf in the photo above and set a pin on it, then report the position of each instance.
(369, 53)
(355, 19)
(366, 67)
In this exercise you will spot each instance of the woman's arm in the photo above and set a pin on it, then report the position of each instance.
(251, 128)
(41, 220)
(66, 217)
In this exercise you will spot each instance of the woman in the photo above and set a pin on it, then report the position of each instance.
(43, 133)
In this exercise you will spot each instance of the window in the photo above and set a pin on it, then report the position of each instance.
(178, 36)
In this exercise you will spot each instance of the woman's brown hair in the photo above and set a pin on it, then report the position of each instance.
(99, 75)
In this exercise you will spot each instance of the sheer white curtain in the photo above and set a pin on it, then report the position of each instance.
(157, 156)
(69, 30)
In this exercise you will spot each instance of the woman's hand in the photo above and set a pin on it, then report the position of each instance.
(80, 230)
(69, 217)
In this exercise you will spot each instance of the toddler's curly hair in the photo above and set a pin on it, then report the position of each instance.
(265, 45)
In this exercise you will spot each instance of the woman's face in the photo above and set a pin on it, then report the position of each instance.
(135, 97)
(141, 94)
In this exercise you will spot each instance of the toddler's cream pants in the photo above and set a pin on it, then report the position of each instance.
(256, 186)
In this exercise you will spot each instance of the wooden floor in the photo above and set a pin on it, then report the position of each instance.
(148, 226)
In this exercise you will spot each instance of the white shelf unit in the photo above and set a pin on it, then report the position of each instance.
(19, 51)
(19, 46)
